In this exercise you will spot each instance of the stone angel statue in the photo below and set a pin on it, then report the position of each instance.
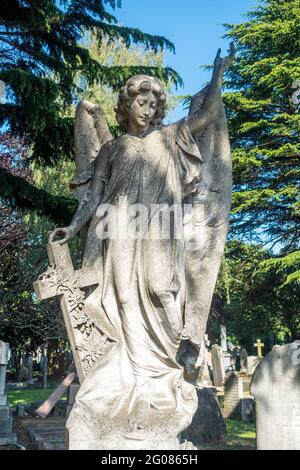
(152, 294)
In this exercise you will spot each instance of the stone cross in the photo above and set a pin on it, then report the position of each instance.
(259, 345)
(62, 280)
(47, 406)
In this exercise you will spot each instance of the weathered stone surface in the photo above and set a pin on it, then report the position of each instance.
(243, 361)
(252, 363)
(50, 403)
(208, 424)
(218, 365)
(276, 388)
(136, 312)
(6, 421)
(248, 409)
(233, 396)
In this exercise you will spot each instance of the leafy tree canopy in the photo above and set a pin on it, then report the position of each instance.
(264, 128)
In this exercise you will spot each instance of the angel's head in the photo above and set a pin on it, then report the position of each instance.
(141, 103)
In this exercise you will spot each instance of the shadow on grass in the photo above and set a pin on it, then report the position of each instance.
(240, 436)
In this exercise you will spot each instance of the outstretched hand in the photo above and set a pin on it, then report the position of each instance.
(67, 232)
(226, 61)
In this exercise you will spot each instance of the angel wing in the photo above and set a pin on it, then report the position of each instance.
(90, 133)
(206, 236)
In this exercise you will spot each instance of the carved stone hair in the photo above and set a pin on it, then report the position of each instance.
(140, 85)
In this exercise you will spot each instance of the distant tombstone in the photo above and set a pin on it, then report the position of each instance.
(243, 361)
(217, 365)
(227, 361)
(4, 348)
(30, 368)
(276, 388)
(252, 363)
(234, 354)
(223, 338)
(6, 436)
(203, 378)
(233, 395)
(248, 409)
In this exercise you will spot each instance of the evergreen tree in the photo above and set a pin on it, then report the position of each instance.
(41, 56)
(264, 129)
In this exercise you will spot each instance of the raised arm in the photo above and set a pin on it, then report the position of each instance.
(209, 111)
(89, 202)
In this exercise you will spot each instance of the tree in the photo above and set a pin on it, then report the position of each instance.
(251, 302)
(40, 58)
(264, 128)
(25, 322)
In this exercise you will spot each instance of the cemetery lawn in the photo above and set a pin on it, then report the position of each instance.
(22, 397)
(240, 436)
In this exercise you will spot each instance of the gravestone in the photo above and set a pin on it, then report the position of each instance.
(227, 361)
(217, 365)
(6, 435)
(4, 348)
(276, 388)
(243, 361)
(248, 409)
(252, 363)
(203, 378)
(233, 396)
(234, 354)
(30, 369)
(223, 338)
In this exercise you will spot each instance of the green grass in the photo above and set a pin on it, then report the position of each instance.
(240, 436)
(23, 397)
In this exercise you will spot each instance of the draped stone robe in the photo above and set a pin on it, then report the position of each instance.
(139, 302)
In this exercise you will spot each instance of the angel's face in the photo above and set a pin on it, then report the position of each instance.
(141, 112)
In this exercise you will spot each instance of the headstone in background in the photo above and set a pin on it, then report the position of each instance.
(276, 388)
(248, 409)
(227, 361)
(252, 363)
(233, 395)
(234, 355)
(243, 361)
(30, 369)
(203, 378)
(217, 365)
(223, 338)
(23, 370)
(6, 422)
(4, 348)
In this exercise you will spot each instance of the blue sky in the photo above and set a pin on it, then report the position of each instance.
(194, 26)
